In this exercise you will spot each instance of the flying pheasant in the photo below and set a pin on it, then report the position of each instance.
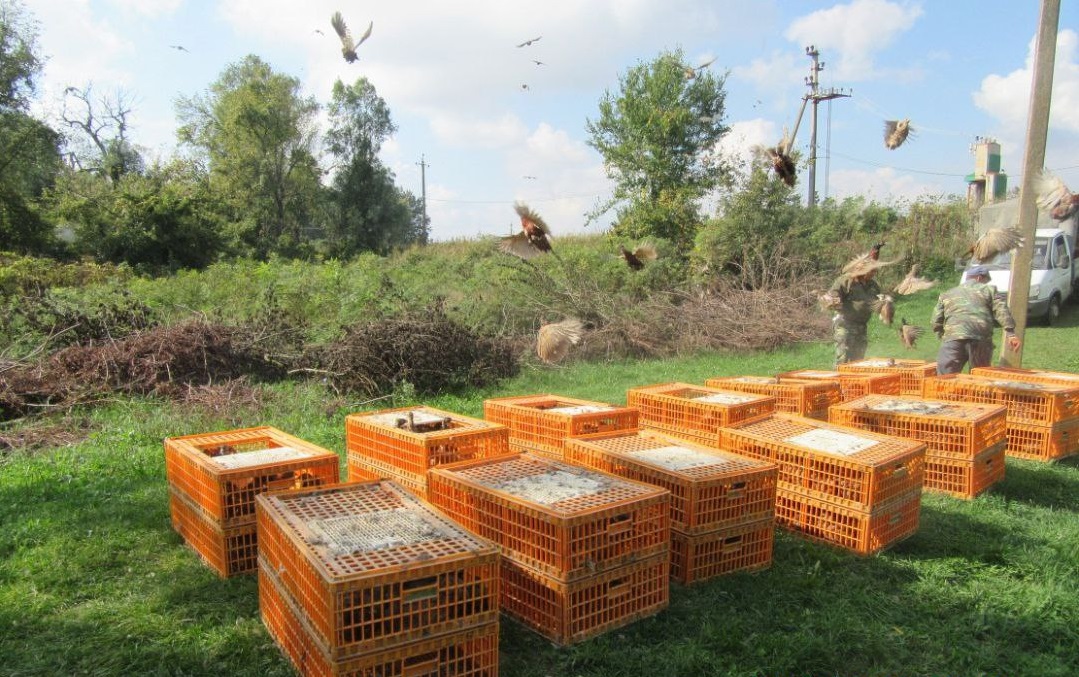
(863, 264)
(874, 253)
(912, 283)
(691, 72)
(554, 340)
(348, 47)
(1054, 197)
(534, 238)
(885, 308)
(896, 132)
(993, 242)
(636, 259)
(908, 333)
(526, 43)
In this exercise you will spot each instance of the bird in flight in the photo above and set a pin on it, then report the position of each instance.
(533, 239)
(896, 132)
(528, 176)
(636, 259)
(885, 308)
(1055, 197)
(994, 242)
(694, 72)
(554, 340)
(908, 334)
(348, 47)
(180, 48)
(526, 43)
(524, 88)
(538, 63)
(912, 283)
(319, 31)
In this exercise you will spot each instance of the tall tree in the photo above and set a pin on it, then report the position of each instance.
(368, 212)
(258, 134)
(103, 125)
(657, 137)
(29, 149)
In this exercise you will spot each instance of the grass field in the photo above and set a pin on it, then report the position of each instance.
(93, 581)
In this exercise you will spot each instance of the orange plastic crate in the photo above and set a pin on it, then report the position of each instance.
(541, 423)
(227, 550)
(569, 612)
(957, 430)
(710, 489)
(1043, 442)
(222, 472)
(745, 547)
(469, 653)
(1027, 402)
(364, 469)
(371, 566)
(851, 386)
(696, 412)
(911, 372)
(859, 531)
(965, 478)
(563, 520)
(854, 468)
(804, 398)
(1064, 378)
(375, 436)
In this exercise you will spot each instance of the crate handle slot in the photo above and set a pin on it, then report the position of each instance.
(737, 490)
(899, 470)
(419, 590)
(895, 519)
(620, 525)
(732, 544)
(286, 480)
(420, 666)
(618, 588)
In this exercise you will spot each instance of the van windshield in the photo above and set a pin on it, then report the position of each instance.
(1038, 261)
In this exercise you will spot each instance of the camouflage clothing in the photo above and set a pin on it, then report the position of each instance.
(964, 319)
(856, 297)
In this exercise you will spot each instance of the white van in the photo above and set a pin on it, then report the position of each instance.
(1052, 273)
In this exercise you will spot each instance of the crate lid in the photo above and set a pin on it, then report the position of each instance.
(836, 440)
(579, 409)
(916, 406)
(254, 457)
(725, 398)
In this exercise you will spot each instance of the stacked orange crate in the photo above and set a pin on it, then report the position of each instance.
(541, 423)
(804, 398)
(722, 505)
(696, 413)
(852, 488)
(583, 552)
(402, 444)
(911, 372)
(1065, 378)
(1042, 418)
(214, 478)
(366, 579)
(851, 386)
(964, 442)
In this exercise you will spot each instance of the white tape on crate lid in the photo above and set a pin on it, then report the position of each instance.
(724, 398)
(678, 458)
(393, 419)
(377, 530)
(832, 441)
(553, 486)
(580, 409)
(912, 407)
(246, 459)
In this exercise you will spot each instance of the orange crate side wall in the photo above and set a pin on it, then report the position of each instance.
(1043, 443)
(415, 453)
(803, 398)
(362, 469)
(699, 420)
(961, 439)
(1024, 406)
(861, 532)
(228, 551)
(1061, 378)
(746, 547)
(965, 478)
(910, 376)
(538, 429)
(566, 613)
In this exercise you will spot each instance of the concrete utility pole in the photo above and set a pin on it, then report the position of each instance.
(423, 187)
(816, 95)
(1041, 94)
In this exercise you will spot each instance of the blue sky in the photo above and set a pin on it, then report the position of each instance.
(452, 76)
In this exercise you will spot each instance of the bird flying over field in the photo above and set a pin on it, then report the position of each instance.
(884, 306)
(554, 340)
(534, 238)
(526, 43)
(912, 283)
(636, 259)
(348, 46)
(908, 333)
(896, 132)
(1054, 197)
(993, 242)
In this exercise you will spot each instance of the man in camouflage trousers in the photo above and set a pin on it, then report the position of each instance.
(964, 319)
(852, 296)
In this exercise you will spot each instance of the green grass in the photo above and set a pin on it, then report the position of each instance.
(94, 581)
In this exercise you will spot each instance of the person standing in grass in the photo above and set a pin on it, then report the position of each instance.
(852, 297)
(964, 319)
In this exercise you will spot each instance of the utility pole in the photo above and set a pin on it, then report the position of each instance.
(816, 95)
(1041, 93)
(423, 187)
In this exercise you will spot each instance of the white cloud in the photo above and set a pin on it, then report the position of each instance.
(459, 131)
(148, 8)
(737, 145)
(882, 185)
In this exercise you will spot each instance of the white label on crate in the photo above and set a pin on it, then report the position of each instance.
(678, 458)
(724, 398)
(832, 441)
(909, 407)
(554, 486)
(810, 373)
(398, 419)
(1021, 385)
(579, 409)
(246, 459)
(378, 530)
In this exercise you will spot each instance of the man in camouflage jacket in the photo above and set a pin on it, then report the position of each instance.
(964, 319)
(851, 296)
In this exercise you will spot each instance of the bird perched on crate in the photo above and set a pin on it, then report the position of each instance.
(912, 283)
(908, 333)
(993, 242)
(1054, 197)
(348, 47)
(896, 132)
(884, 306)
(554, 340)
(636, 259)
(534, 238)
